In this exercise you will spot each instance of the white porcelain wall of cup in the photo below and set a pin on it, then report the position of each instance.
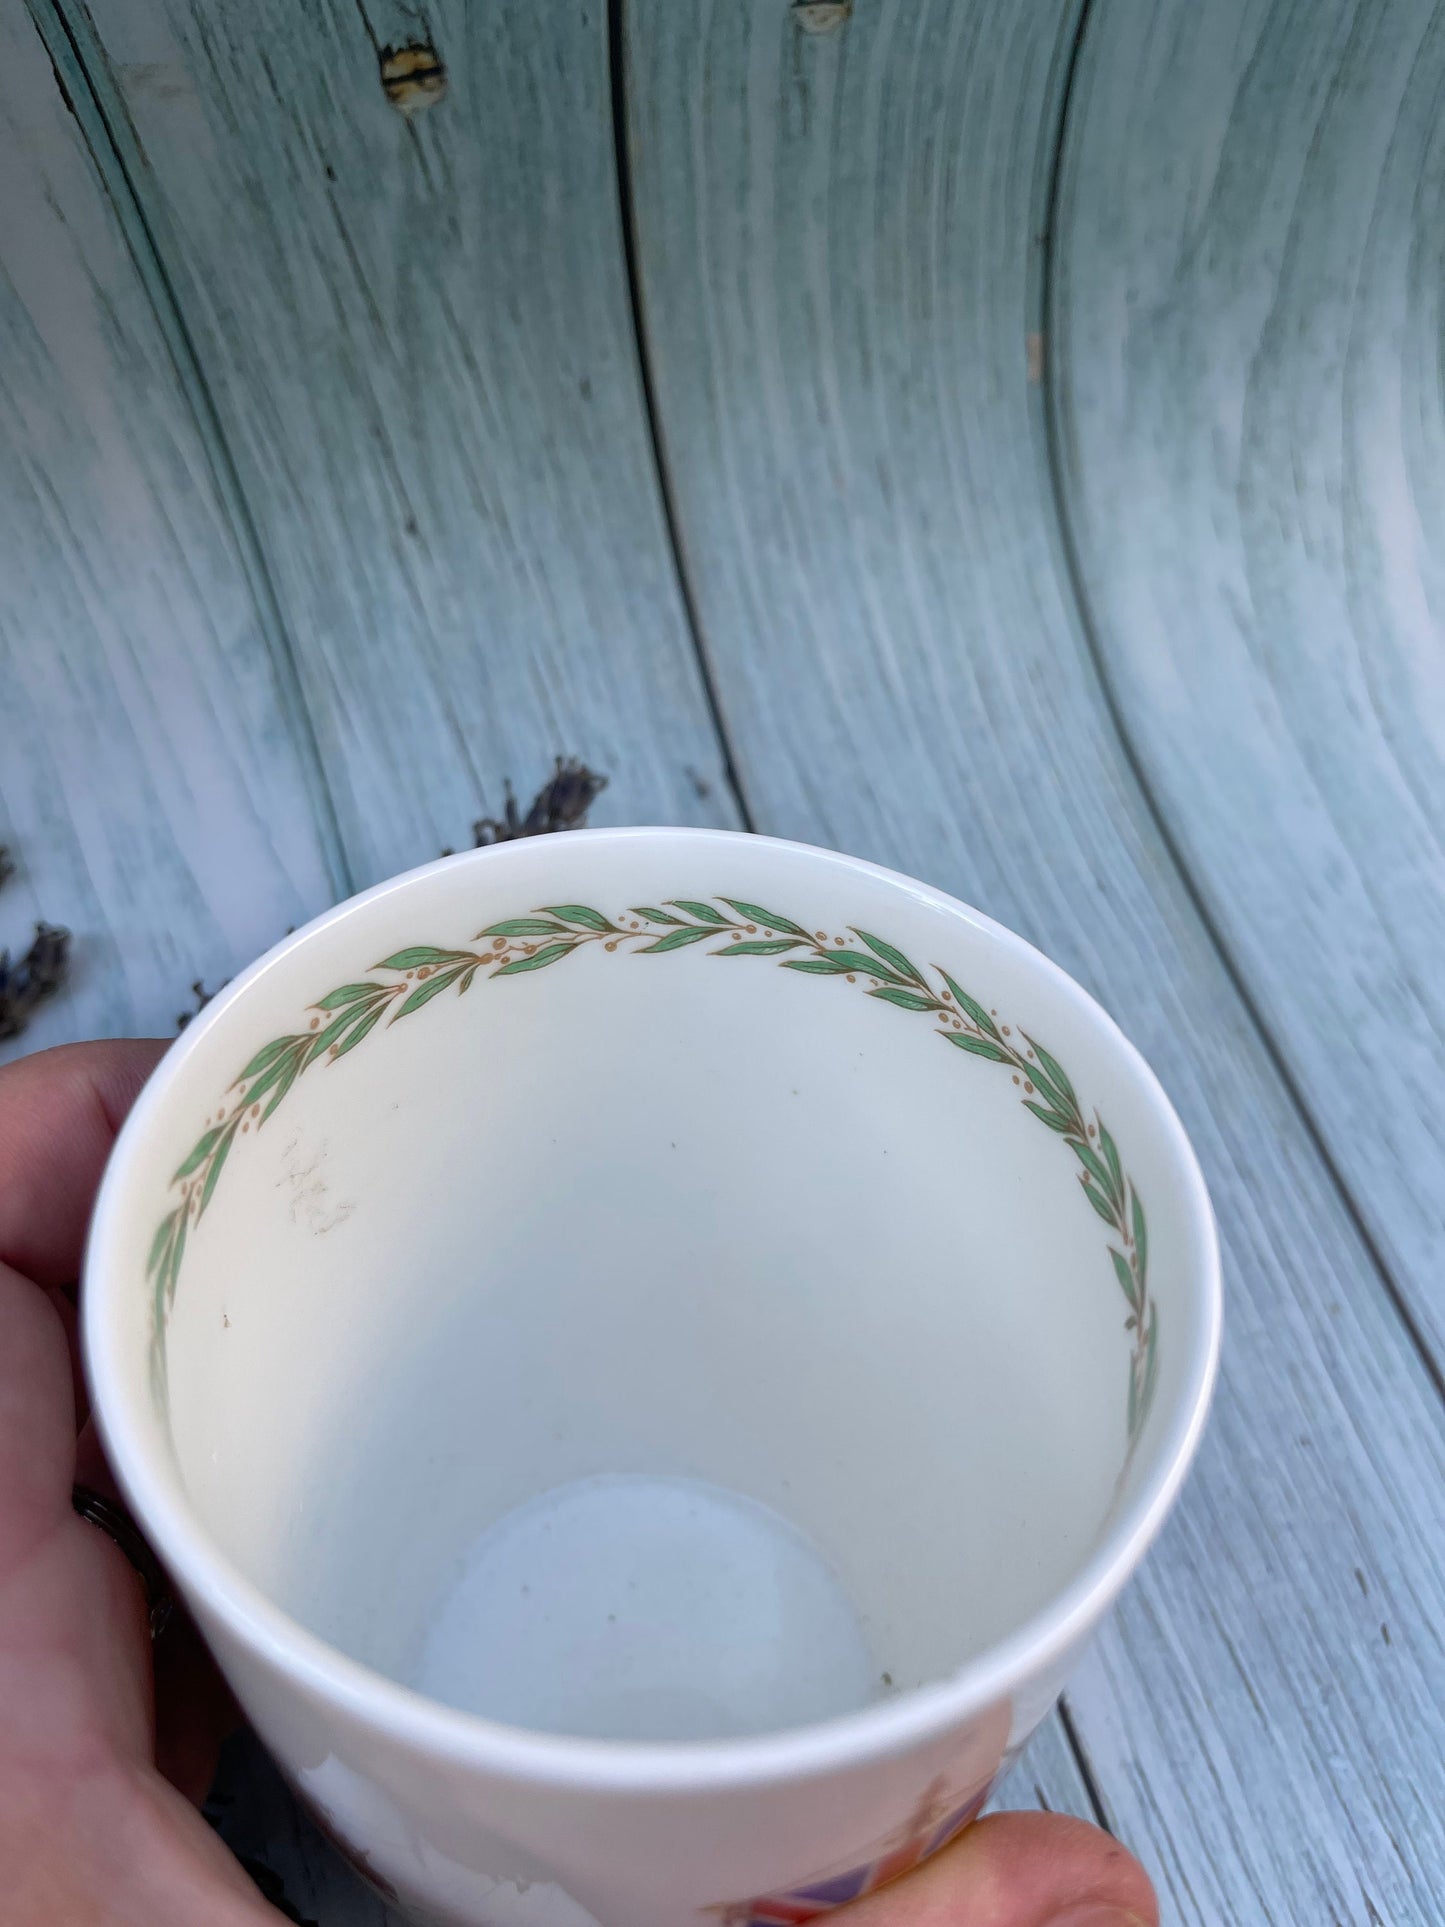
(648, 1353)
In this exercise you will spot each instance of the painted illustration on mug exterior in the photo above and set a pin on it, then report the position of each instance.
(937, 1819)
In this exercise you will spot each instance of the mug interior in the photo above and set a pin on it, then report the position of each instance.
(651, 1335)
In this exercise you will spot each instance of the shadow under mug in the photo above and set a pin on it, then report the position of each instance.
(647, 1354)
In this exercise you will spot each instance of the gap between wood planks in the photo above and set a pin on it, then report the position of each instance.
(617, 76)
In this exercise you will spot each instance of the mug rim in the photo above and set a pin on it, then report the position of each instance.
(913, 1716)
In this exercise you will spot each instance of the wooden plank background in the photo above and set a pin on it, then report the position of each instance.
(998, 440)
(156, 785)
(1251, 419)
(417, 338)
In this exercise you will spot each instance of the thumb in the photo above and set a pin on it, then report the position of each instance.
(1018, 1870)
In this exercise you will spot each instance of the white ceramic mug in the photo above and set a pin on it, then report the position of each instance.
(648, 1353)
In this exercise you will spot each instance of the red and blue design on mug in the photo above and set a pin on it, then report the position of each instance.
(937, 1820)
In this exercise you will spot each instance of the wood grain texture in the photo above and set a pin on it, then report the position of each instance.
(840, 246)
(157, 794)
(417, 337)
(1247, 331)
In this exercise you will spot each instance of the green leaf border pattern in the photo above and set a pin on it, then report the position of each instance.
(402, 983)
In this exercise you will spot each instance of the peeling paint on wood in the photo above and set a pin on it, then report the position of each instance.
(412, 77)
(821, 16)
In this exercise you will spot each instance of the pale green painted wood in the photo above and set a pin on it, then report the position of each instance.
(159, 796)
(417, 337)
(1248, 322)
(839, 241)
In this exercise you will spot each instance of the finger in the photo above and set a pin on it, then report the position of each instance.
(1018, 1870)
(194, 1709)
(59, 1113)
(65, 1301)
(37, 1418)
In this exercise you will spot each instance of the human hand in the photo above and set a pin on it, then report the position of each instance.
(101, 1757)
(106, 1745)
